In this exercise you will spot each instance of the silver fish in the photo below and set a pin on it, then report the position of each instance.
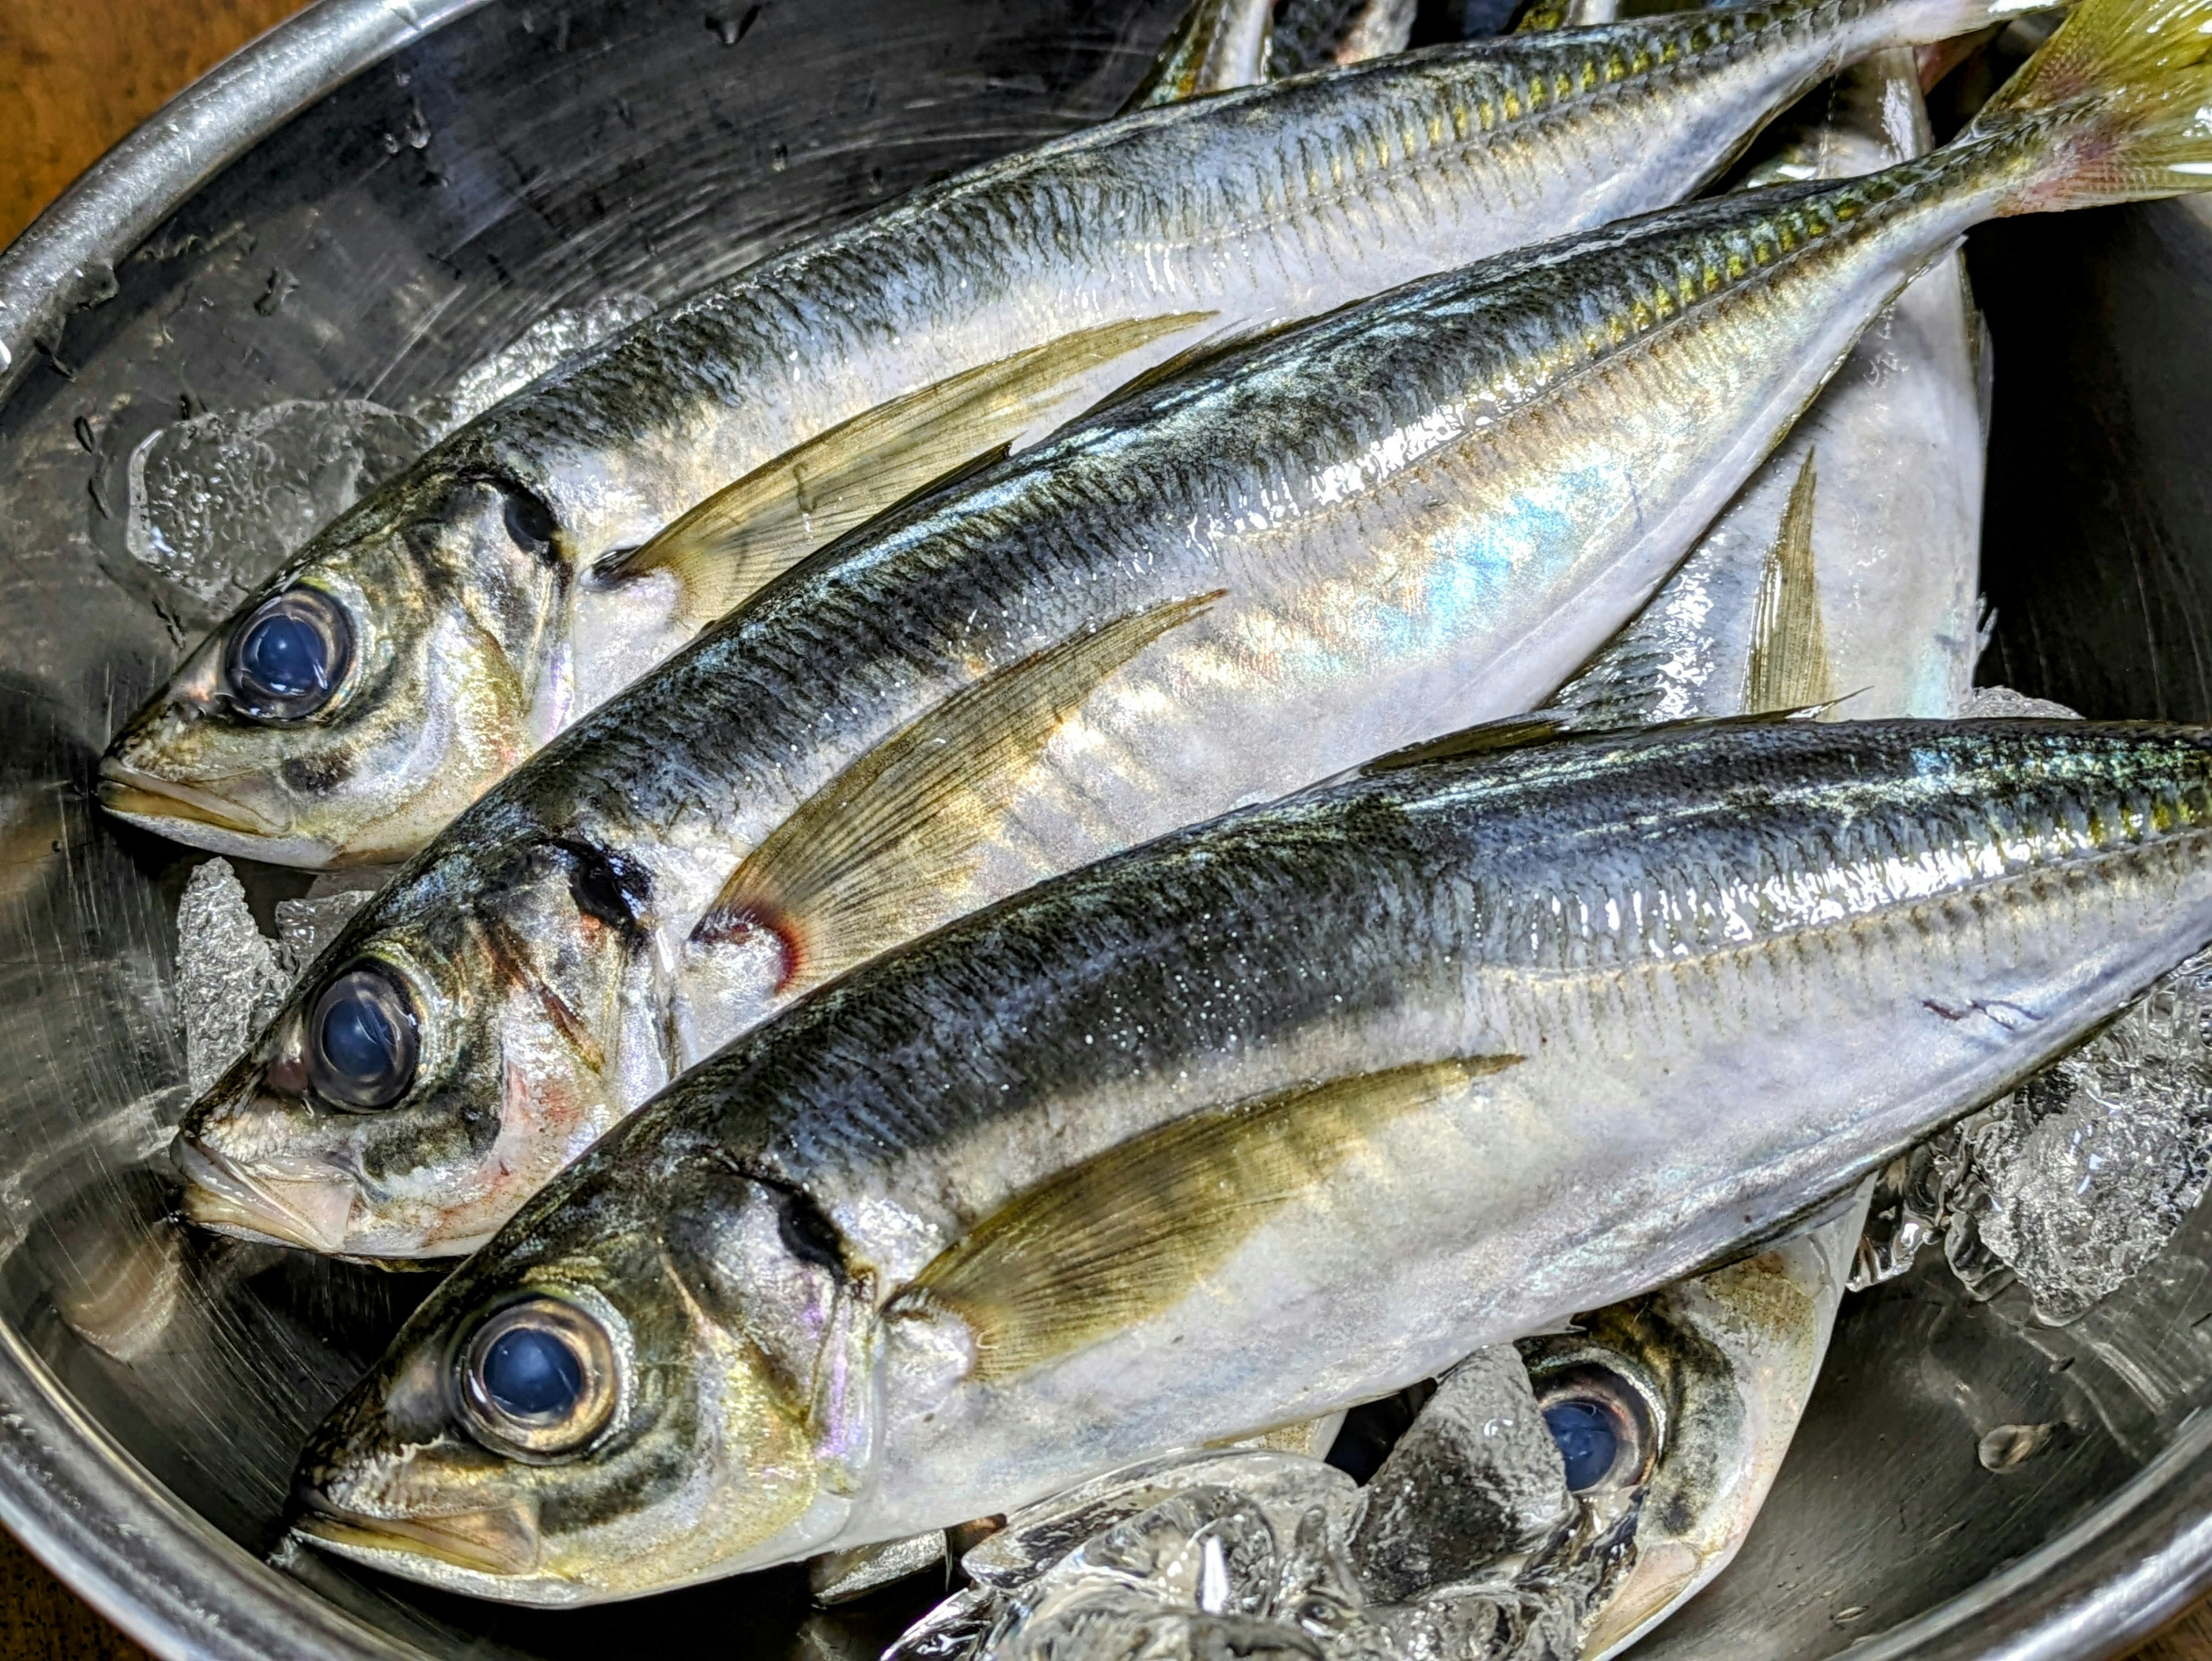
(1869, 595)
(1330, 1093)
(546, 553)
(1419, 513)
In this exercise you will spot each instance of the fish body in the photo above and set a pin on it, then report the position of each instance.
(1330, 1092)
(546, 553)
(1892, 555)
(1416, 514)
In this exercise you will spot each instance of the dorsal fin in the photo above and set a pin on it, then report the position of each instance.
(1130, 1231)
(1491, 738)
(1789, 664)
(738, 539)
(880, 854)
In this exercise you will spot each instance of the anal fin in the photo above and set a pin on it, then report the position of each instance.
(1788, 666)
(880, 853)
(1131, 1231)
(744, 535)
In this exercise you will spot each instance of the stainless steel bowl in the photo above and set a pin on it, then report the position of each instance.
(362, 208)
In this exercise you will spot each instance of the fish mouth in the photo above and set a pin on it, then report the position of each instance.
(1657, 1581)
(136, 795)
(501, 1542)
(310, 1210)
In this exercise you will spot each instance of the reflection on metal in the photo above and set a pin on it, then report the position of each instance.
(423, 214)
(66, 260)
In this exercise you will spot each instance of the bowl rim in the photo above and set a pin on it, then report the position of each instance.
(181, 1588)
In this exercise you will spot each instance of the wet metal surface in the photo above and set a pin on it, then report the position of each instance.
(531, 159)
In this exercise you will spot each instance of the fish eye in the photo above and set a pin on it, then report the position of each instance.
(529, 521)
(539, 1378)
(1602, 1426)
(287, 659)
(361, 1040)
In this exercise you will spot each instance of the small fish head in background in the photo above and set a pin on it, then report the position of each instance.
(618, 1396)
(1680, 1405)
(443, 1058)
(398, 665)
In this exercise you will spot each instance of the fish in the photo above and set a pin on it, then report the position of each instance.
(1865, 597)
(541, 556)
(1678, 1407)
(1277, 1114)
(1420, 513)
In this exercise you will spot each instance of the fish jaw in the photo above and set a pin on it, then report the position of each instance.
(309, 1208)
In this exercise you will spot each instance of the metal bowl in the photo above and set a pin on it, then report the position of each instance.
(360, 208)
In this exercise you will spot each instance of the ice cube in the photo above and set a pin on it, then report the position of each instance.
(219, 501)
(228, 984)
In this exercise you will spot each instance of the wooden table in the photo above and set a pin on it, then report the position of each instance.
(83, 75)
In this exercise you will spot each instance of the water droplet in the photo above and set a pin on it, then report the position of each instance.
(2010, 1447)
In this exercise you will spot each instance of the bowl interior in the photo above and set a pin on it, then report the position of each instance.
(554, 167)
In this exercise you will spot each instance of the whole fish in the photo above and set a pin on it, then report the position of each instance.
(546, 553)
(1275, 1114)
(1417, 514)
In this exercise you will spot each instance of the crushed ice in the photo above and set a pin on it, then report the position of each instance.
(219, 501)
(231, 978)
(1254, 1552)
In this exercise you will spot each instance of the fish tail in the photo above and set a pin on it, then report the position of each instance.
(2116, 107)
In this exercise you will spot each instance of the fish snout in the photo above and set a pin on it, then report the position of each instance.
(292, 1202)
(500, 1540)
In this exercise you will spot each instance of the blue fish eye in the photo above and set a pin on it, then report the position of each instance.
(539, 1379)
(532, 1373)
(361, 1040)
(287, 658)
(1588, 1440)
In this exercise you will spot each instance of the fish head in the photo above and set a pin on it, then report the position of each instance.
(477, 1025)
(402, 663)
(1679, 1405)
(641, 1383)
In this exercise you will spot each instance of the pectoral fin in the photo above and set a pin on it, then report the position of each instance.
(745, 534)
(1789, 667)
(1132, 1230)
(879, 854)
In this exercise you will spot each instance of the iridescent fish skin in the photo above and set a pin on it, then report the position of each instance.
(481, 599)
(837, 1284)
(1897, 443)
(1417, 514)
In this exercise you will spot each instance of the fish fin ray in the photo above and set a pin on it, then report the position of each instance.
(1129, 1232)
(1788, 666)
(748, 532)
(878, 855)
(1219, 45)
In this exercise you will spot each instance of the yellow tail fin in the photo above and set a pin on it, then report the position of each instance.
(2125, 90)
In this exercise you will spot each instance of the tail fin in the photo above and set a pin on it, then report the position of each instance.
(2124, 91)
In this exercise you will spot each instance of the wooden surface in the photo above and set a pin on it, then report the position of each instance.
(79, 74)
